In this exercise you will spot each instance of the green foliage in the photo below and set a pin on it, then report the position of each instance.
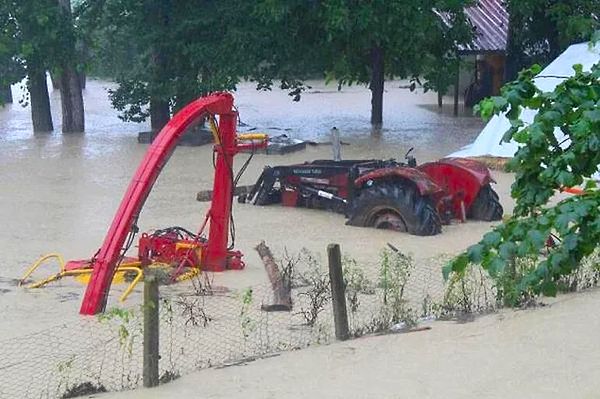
(40, 33)
(124, 320)
(395, 270)
(586, 276)
(175, 51)
(318, 291)
(171, 51)
(560, 148)
(441, 63)
(356, 282)
(36, 36)
(247, 324)
(541, 29)
(466, 293)
(12, 69)
(283, 40)
(412, 36)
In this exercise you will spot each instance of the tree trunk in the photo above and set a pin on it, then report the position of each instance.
(5, 95)
(85, 57)
(514, 49)
(55, 80)
(159, 103)
(553, 42)
(440, 95)
(280, 284)
(40, 101)
(159, 114)
(456, 87)
(71, 97)
(376, 86)
(82, 79)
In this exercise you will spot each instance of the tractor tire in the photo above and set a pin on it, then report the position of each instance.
(486, 205)
(396, 206)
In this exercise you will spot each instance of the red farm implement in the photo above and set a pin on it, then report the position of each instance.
(181, 249)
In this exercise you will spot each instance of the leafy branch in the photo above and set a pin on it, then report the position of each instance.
(560, 148)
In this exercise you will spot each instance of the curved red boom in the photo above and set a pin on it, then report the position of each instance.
(105, 263)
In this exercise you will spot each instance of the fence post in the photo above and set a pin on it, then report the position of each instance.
(336, 144)
(338, 292)
(151, 326)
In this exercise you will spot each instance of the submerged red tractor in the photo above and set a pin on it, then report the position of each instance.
(385, 194)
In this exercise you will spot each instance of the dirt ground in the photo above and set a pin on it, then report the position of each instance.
(549, 352)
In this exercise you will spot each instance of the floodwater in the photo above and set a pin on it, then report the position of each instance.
(59, 192)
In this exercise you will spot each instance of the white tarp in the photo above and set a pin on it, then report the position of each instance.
(488, 143)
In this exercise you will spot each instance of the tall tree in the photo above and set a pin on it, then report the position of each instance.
(11, 69)
(182, 50)
(286, 44)
(129, 40)
(185, 49)
(368, 42)
(442, 59)
(365, 42)
(35, 41)
(73, 118)
(43, 38)
(539, 30)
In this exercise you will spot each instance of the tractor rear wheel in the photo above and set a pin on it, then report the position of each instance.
(395, 206)
(486, 205)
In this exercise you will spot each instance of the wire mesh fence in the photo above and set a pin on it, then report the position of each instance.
(67, 360)
(196, 331)
(215, 326)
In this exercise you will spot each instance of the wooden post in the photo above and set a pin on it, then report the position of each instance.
(336, 144)
(338, 292)
(151, 326)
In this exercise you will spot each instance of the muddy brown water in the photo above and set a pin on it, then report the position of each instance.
(59, 192)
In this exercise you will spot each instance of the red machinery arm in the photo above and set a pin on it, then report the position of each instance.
(105, 263)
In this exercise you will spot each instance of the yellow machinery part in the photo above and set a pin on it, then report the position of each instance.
(188, 275)
(120, 273)
(252, 136)
(83, 275)
(214, 129)
(37, 263)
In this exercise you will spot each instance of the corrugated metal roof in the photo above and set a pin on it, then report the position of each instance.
(490, 23)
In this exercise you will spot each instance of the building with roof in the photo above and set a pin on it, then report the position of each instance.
(489, 19)
(484, 59)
